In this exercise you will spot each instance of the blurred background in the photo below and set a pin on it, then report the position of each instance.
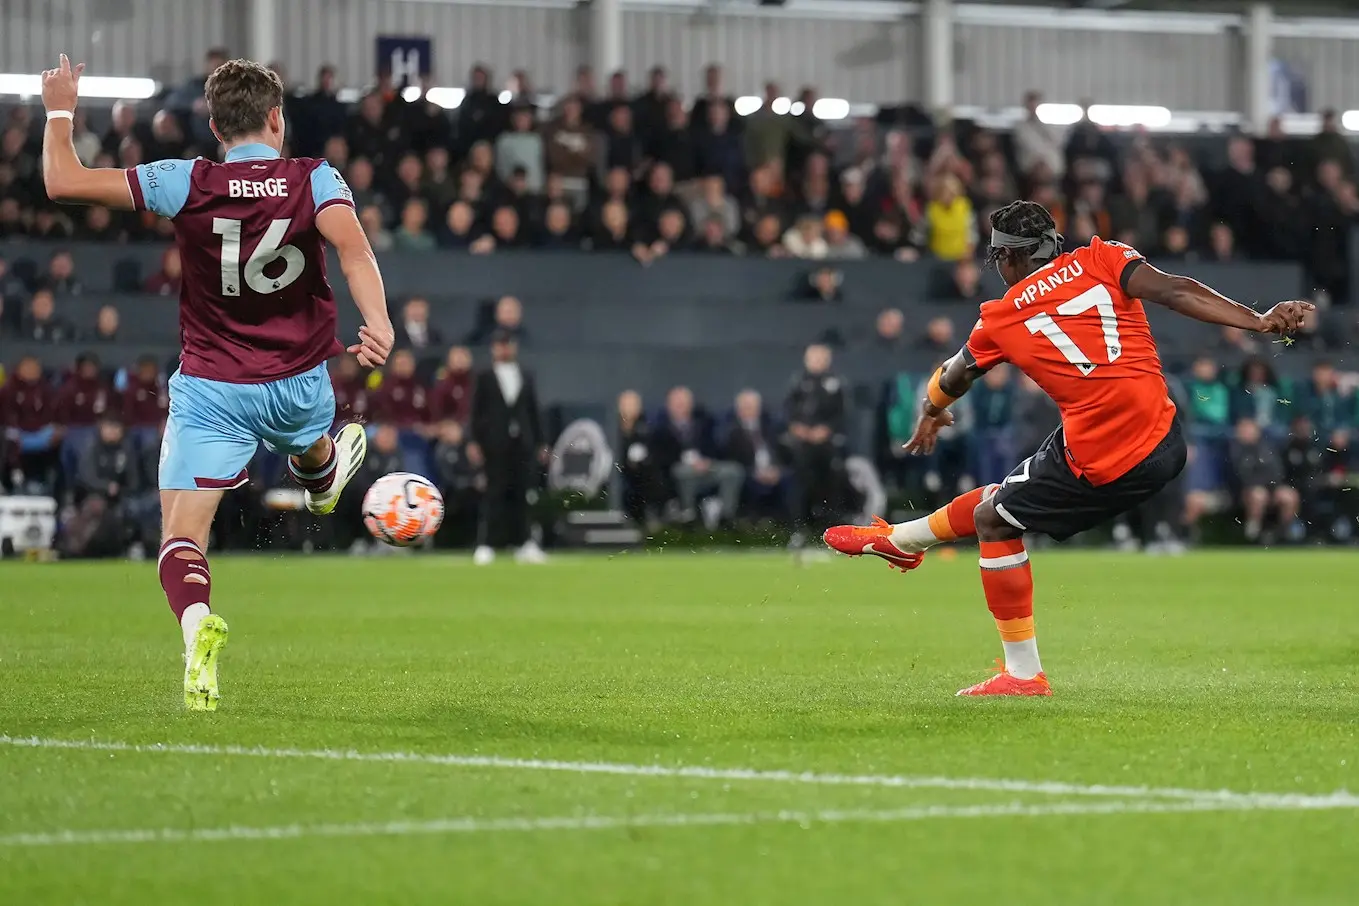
(729, 241)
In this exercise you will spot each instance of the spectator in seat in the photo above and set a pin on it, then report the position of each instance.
(336, 153)
(717, 149)
(1135, 210)
(939, 339)
(28, 413)
(621, 146)
(454, 472)
(645, 485)
(614, 233)
(713, 238)
(950, 225)
(889, 331)
(852, 203)
(84, 397)
(841, 244)
(823, 285)
(322, 114)
(108, 476)
(1210, 400)
(438, 186)
(404, 403)
(712, 96)
(1259, 395)
(1330, 145)
(460, 227)
(98, 226)
(350, 385)
(1036, 143)
(360, 179)
(370, 133)
(659, 194)
(521, 147)
(481, 116)
(618, 96)
(753, 443)
(671, 233)
(378, 237)
(814, 192)
(123, 124)
(673, 142)
(505, 316)
(816, 412)
(571, 149)
(1235, 189)
(1175, 243)
(1258, 467)
(1221, 244)
(451, 397)
(167, 281)
(12, 289)
(44, 325)
(414, 330)
(1281, 217)
(765, 239)
(410, 173)
(1327, 407)
(11, 218)
(649, 108)
(963, 282)
(61, 276)
(684, 447)
(506, 229)
(413, 234)
(106, 325)
(145, 404)
(559, 230)
(49, 225)
(766, 132)
(713, 201)
(764, 195)
(992, 455)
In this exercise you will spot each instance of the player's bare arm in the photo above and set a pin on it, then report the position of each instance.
(340, 227)
(66, 178)
(1193, 299)
(951, 381)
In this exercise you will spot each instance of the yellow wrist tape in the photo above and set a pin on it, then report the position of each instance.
(936, 394)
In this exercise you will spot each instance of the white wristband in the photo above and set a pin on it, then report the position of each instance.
(61, 115)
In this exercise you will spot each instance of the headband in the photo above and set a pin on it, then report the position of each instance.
(1045, 247)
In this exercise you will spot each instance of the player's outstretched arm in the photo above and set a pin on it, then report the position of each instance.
(340, 227)
(948, 383)
(65, 177)
(1193, 299)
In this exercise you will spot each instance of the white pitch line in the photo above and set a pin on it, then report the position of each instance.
(470, 825)
(1339, 799)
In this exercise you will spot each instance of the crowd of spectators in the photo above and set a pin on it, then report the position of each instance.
(1274, 452)
(649, 172)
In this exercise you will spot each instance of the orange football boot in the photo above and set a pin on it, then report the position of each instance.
(1007, 684)
(876, 539)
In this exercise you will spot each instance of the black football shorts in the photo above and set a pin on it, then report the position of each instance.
(1044, 495)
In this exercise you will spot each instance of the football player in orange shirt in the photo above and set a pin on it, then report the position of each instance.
(1073, 323)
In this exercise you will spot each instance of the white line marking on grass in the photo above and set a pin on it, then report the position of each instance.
(1339, 799)
(806, 819)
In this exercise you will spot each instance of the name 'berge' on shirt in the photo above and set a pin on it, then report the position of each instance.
(1049, 279)
(274, 187)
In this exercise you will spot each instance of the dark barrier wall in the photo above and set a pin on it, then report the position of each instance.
(597, 324)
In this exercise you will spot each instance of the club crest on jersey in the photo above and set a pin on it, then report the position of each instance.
(1050, 280)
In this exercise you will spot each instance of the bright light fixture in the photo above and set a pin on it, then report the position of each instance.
(411, 93)
(747, 104)
(830, 108)
(1059, 114)
(116, 87)
(1153, 117)
(447, 98)
(506, 96)
(1350, 120)
(798, 108)
(780, 106)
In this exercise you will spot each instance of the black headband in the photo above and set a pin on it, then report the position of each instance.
(1045, 247)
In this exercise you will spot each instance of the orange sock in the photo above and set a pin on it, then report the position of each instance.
(955, 519)
(1007, 582)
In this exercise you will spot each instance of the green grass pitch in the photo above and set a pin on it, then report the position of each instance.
(660, 728)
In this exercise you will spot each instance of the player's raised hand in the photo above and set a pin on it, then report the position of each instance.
(927, 432)
(60, 86)
(374, 345)
(1286, 317)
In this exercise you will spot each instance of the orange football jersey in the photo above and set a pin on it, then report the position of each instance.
(1072, 328)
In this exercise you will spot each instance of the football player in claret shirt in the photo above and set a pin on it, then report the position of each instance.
(1073, 323)
(256, 321)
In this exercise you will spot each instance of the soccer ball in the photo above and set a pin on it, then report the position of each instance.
(402, 509)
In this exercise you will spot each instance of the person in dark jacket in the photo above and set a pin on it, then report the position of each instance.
(646, 487)
(685, 449)
(753, 442)
(1258, 468)
(815, 412)
(108, 473)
